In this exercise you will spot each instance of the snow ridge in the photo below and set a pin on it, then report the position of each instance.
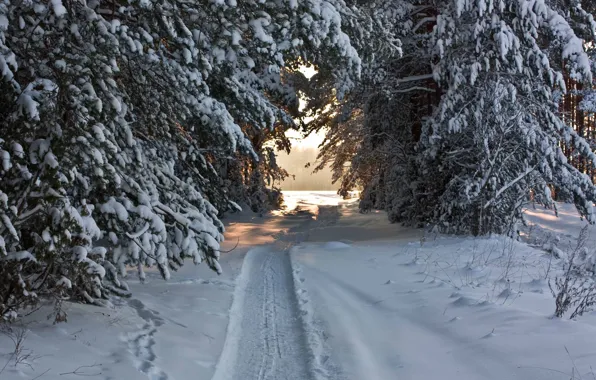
(314, 338)
(229, 355)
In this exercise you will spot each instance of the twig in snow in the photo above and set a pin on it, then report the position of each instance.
(80, 371)
(6, 364)
(38, 376)
(573, 362)
(551, 370)
(574, 370)
(20, 355)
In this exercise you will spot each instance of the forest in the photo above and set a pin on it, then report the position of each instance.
(128, 130)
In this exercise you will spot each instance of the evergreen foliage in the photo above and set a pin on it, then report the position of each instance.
(116, 118)
(129, 128)
(465, 127)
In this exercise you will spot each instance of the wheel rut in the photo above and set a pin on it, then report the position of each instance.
(272, 343)
(266, 338)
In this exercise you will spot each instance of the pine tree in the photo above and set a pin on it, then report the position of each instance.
(116, 119)
(496, 135)
(468, 117)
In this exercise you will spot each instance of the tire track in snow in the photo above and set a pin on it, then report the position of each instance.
(319, 363)
(265, 337)
(267, 332)
(376, 341)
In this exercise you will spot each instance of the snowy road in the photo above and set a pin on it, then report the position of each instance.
(326, 293)
(368, 337)
(272, 344)
(383, 306)
(353, 334)
(266, 338)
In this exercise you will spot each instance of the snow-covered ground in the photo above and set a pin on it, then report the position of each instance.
(545, 227)
(323, 292)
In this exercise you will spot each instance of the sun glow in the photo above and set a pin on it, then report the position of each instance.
(311, 141)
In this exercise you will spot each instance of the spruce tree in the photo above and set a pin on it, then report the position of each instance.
(115, 120)
(464, 128)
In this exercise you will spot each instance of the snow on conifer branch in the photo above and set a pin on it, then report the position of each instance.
(464, 128)
(115, 119)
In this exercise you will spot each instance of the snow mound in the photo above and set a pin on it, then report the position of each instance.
(229, 355)
(506, 293)
(313, 334)
(538, 283)
(333, 245)
(464, 301)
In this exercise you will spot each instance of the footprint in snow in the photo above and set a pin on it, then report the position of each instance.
(141, 343)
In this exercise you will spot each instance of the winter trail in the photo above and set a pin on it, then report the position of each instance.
(324, 292)
(339, 296)
(266, 339)
(368, 338)
(353, 336)
(272, 344)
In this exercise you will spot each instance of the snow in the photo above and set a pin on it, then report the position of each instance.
(545, 226)
(29, 106)
(114, 207)
(382, 332)
(229, 353)
(266, 336)
(59, 9)
(478, 307)
(3, 22)
(20, 256)
(322, 291)
(5, 160)
(258, 26)
(152, 334)
(65, 282)
(332, 245)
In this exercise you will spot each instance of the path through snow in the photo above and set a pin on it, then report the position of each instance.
(272, 343)
(326, 293)
(344, 296)
(266, 338)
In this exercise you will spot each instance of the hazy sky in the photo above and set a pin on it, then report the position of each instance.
(298, 142)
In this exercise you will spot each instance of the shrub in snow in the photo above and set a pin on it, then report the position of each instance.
(115, 122)
(575, 291)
